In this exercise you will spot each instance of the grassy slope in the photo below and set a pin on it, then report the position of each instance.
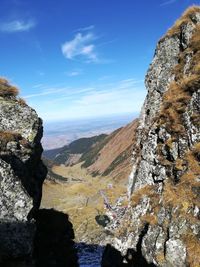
(80, 198)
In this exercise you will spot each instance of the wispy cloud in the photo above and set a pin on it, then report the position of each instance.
(63, 92)
(45, 92)
(82, 45)
(88, 28)
(74, 73)
(38, 85)
(17, 26)
(98, 100)
(169, 2)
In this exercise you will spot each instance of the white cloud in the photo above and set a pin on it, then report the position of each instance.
(17, 26)
(169, 2)
(74, 73)
(102, 99)
(45, 92)
(88, 28)
(38, 85)
(81, 46)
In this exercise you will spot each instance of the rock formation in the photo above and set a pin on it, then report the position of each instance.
(164, 185)
(21, 173)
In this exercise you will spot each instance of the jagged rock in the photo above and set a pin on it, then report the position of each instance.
(21, 176)
(165, 160)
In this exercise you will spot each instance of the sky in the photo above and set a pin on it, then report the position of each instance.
(75, 59)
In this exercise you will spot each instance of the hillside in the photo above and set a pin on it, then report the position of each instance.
(70, 154)
(114, 159)
(103, 155)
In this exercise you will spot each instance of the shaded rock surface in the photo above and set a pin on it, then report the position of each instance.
(53, 241)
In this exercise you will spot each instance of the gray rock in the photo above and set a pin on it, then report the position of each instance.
(154, 160)
(21, 176)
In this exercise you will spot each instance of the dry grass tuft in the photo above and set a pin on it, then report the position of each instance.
(185, 194)
(22, 101)
(177, 97)
(185, 18)
(193, 249)
(147, 190)
(7, 90)
(8, 136)
(149, 218)
(195, 41)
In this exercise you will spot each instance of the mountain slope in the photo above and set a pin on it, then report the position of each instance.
(104, 155)
(114, 158)
(78, 147)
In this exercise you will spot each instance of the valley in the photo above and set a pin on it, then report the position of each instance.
(80, 197)
(75, 186)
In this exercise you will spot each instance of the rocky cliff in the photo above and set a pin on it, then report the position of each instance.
(21, 173)
(164, 186)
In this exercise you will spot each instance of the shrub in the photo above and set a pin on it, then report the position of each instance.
(136, 197)
(150, 219)
(195, 41)
(191, 83)
(186, 17)
(7, 90)
(8, 136)
(193, 249)
(22, 101)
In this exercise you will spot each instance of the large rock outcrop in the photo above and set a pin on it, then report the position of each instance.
(21, 173)
(164, 185)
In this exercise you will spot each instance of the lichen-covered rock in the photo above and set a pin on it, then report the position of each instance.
(165, 180)
(21, 176)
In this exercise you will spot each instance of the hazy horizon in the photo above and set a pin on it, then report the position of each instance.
(60, 133)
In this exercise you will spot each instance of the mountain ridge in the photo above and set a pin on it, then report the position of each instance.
(93, 153)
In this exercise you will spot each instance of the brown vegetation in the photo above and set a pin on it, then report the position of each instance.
(183, 194)
(8, 136)
(7, 90)
(22, 101)
(193, 249)
(147, 190)
(80, 198)
(185, 18)
(149, 218)
(177, 97)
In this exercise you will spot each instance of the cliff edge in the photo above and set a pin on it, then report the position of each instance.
(21, 173)
(164, 186)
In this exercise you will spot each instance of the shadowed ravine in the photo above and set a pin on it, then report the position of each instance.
(54, 246)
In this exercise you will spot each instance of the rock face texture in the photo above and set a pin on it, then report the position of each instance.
(164, 185)
(21, 173)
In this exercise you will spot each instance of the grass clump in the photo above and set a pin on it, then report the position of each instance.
(187, 16)
(192, 243)
(177, 97)
(184, 195)
(138, 195)
(7, 90)
(150, 219)
(8, 136)
(22, 101)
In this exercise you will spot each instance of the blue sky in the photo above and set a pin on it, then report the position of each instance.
(82, 58)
